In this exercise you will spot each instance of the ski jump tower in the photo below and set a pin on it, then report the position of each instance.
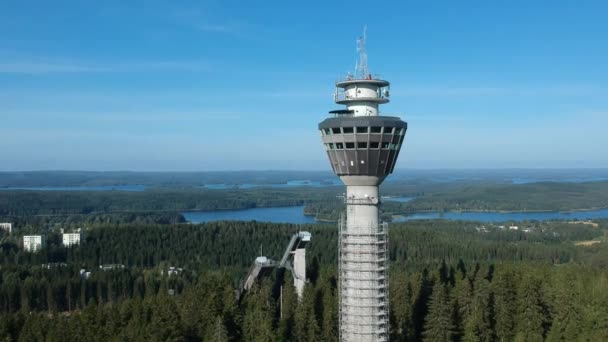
(362, 147)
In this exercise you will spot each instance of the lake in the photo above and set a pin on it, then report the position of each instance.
(502, 217)
(296, 215)
(397, 199)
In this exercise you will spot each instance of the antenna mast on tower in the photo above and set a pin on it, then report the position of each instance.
(361, 70)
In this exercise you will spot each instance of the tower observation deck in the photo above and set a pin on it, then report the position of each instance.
(362, 146)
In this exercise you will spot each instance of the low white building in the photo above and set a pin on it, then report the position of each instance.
(71, 239)
(85, 274)
(8, 227)
(33, 243)
(172, 271)
(109, 267)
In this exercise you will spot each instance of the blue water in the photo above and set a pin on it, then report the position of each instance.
(289, 184)
(398, 199)
(83, 188)
(279, 214)
(563, 180)
(502, 217)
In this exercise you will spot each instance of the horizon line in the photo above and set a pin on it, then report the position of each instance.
(315, 170)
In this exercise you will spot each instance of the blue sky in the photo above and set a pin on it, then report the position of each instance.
(222, 85)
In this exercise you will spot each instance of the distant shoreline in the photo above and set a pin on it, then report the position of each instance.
(503, 211)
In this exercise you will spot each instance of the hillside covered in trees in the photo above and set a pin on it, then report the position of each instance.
(449, 282)
(176, 192)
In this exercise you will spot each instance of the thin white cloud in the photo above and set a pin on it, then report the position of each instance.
(53, 67)
(566, 89)
(45, 68)
(221, 28)
(139, 117)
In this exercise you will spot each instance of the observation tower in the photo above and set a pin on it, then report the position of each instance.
(362, 146)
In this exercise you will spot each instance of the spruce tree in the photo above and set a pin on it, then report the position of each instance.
(505, 296)
(306, 328)
(439, 324)
(567, 320)
(288, 307)
(531, 311)
(218, 332)
(479, 325)
(330, 313)
(401, 308)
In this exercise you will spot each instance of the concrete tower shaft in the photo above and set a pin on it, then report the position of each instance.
(362, 147)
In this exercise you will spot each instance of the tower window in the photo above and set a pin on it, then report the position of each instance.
(373, 145)
(336, 130)
(376, 129)
(361, 129)
(339, 146)
(384, 145)
(361, 145)
(388, 130)
(347, 130)
(327, 131)
(350, 145)
(331, 146)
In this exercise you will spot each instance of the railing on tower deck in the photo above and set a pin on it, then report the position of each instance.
(343, 95)
(351, 77)
(345, 113)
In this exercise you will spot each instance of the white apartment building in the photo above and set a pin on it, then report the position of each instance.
(70, 239)
(33, 243)
(8, 227)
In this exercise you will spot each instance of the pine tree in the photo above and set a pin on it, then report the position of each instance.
(479, 325)
(505, 295)
(531, 312)
(165, 324)
(330, 313)
(463, 301)
(34, 329)
(306, 327)
(218, 333)
(401, 308)
(288, 307)
(422, 289)
(439, 324)
(257, 322)
(567, 320)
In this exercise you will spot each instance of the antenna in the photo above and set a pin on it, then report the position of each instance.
(361, 69)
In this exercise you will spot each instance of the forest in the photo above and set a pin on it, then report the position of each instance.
(324, 203)
(542, 196)
(449, 282)
(431, 190)
(27, 203)
(193, 179)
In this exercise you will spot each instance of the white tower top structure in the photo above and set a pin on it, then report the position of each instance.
(361, 70)
(362, 147)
